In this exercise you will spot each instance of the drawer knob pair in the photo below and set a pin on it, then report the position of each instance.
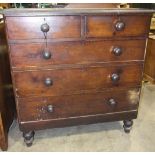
(48, 82)
(112, 102)
(45, 27)
(117, 51)
(119, 26)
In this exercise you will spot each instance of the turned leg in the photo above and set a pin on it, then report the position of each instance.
(127, 125)
(28, 137)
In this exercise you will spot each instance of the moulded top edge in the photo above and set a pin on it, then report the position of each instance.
(72, 11)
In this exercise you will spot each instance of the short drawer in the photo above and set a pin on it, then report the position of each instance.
(75, 80)
(36, 55)
(58, 107)
(30, 27)
(113, 26)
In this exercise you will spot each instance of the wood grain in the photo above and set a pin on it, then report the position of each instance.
(34, 109)
(75, 80)
(104, 26)
(32, 12)
(31, 55)
(55, 123)
(29, 27)
(81, 64)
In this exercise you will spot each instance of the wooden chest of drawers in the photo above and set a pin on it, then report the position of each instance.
(76, 66)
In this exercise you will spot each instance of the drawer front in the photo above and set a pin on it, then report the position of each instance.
(35, 109)
(36, 55)
(75, 80)
(111, 26)
(30, 27)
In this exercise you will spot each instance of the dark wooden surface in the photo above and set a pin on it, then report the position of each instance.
(104, 26)
(83, 120)
(75, 80)
(35, 109)
(149, 67)
(29, 27)
(71, 26)
(83, 52)
(71, 11)
(80, 67)
(7, 105)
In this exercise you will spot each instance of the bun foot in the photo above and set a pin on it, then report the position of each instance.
(127, 125)
(28, 138)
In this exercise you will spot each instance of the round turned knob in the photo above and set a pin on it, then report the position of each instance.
(45, 27)
(50, 108)
(120, 26)
(115, 77)
(112, 102)
(117, 51)
(48, 82)
(46, 54)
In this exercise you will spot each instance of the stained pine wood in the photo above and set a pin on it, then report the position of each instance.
(75, 80)
(71, 11)
(104, 26)
(80, 67)
(82, 52)
(35, 109)
(55, 123)
(30, 27)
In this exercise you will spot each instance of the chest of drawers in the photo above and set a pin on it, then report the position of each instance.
(76, 66)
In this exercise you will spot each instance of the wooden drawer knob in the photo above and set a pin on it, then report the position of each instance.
(119, 26)
(115, 77)
(48, 82)
(45, 27)
(112, 102)
(50, 108)
(46, 54)
(117, 51)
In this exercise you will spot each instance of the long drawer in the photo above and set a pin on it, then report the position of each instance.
(111, 26)
(30, 27)
(36, 55)
(44, 108)
(76, 80)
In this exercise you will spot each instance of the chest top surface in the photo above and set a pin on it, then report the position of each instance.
(73, 11)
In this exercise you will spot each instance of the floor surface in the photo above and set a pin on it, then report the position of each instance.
(96, 137)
